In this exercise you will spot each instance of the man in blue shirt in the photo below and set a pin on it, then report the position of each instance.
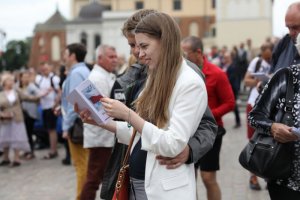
(74, 55)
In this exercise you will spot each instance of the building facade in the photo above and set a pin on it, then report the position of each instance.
(48, 41)
(217, 22)
(239, 20)
(195, 17)
(95, 25)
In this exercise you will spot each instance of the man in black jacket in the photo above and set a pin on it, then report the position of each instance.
(285, 53)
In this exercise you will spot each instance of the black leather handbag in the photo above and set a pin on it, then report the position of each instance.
(263, 155)
(76, 132)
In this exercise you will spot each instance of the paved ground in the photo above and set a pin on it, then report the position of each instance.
(50, 180)
(233, 179)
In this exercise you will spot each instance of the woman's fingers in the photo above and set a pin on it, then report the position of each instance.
(76, 109)
(106, 100)
(107, 103)
(89, 120)
(114, 108)
(283, 134)
(85, 114)
(82, 113)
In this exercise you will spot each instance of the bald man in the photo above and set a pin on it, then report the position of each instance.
(285, 53)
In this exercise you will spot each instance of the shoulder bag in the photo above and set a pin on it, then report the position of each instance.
(76, 132)
(263, 155)
(123, 185)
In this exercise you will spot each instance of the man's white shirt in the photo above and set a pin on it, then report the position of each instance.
(94, 136)
(44, 84)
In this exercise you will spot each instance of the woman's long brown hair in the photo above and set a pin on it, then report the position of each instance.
(154, 101)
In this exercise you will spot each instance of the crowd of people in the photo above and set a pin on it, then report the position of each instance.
(154, 97)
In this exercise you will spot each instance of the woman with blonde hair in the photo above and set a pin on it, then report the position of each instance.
(166, 113)
(12, 128)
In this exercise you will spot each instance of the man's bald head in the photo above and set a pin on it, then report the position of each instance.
(292, 20)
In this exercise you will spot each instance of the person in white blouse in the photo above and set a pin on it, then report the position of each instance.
(167, 113)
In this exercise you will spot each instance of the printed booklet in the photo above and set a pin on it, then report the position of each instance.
(88, 97)
(260, 76)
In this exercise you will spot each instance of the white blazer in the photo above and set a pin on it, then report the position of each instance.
(187, 105)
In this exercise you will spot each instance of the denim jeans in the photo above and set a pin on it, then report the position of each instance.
(137, 190)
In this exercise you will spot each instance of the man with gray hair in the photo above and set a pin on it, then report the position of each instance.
(98, 140)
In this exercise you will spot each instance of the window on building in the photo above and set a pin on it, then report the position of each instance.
(213, 3)
(194, 29)
(97, 41)
(176, 4)
(214, 32)
(106, 7)
(55, 48)
(211, 32)
(83, 39)
(41, 42)
(139, 5)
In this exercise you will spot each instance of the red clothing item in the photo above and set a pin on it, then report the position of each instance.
(220, 95)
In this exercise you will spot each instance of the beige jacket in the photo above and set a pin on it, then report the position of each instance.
(15, 108)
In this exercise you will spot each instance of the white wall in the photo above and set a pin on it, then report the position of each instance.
(234, 32)
(238, 20)
(74, 36)
(112, 34)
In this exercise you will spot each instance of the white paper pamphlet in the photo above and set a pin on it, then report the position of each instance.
(260, 76)
(88, 97)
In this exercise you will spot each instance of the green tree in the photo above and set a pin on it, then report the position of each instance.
(15, 56)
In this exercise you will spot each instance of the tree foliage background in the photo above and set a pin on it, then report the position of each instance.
(16, 55)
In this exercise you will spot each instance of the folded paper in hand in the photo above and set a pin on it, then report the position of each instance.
(260, 76)
(88, 97)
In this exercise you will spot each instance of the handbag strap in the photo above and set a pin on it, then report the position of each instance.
(125, 161)
(288, 115)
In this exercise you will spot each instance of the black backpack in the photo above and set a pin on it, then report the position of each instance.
(38, 85)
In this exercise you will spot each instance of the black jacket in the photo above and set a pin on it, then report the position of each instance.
(270, 104)
(269, 108)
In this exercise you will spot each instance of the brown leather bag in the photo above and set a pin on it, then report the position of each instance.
(123, 186)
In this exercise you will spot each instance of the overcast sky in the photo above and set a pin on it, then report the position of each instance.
(18, 17)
